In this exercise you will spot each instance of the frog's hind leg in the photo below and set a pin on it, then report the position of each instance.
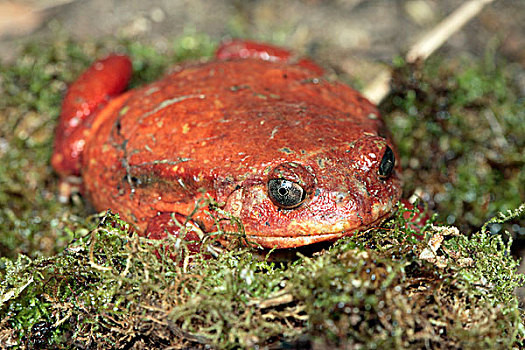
(102, 81)
(251, 49)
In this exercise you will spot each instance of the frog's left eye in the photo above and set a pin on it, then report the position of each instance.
(286, 194)
(386, 167)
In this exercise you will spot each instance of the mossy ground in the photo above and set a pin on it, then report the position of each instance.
(460, 129)
(73, 279)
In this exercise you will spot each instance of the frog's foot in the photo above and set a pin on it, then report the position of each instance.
(164, 224)
(105, 79)
(250, 49)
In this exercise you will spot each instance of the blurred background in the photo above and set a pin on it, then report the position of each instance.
(352, 36)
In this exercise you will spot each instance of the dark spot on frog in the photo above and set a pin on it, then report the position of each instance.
(286, 150)
(133, 180)
(267, 223)
(118, 126)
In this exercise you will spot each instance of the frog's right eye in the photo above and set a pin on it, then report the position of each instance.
(286, 194)
(386, 167)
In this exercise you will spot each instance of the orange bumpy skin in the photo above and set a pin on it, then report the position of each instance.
(296, 158)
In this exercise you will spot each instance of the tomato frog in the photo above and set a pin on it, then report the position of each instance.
(297, 158)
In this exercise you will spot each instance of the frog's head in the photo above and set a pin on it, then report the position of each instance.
(320, 196)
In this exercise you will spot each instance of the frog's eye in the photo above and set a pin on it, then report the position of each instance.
(286, 194)
(387, 164)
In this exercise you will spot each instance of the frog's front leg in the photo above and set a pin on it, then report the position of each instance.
(104, 80)
(164, 224)
(250, 49)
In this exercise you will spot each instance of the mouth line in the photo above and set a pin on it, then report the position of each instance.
(294, 242)
(282, 242)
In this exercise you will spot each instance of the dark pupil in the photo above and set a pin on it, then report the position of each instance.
(387, 163)
(286, 194)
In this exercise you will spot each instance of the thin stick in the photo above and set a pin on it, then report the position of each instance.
(380, 86)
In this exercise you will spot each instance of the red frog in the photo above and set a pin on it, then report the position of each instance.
(296, 158)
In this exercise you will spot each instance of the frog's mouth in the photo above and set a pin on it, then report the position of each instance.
(284, 242)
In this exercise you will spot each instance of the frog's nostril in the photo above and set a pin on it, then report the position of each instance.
(340, 197)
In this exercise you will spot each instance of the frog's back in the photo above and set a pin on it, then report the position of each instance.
(222, 109)
(213, 125)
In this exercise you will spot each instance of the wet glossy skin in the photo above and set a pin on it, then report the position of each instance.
(225, 129)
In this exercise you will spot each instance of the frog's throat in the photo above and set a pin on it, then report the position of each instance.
(270, 242)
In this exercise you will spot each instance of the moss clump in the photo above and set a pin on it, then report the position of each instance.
(113, 289)
(466, 120)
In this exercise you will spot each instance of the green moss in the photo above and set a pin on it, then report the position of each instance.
(86, 281)
(465, 121)
(381, 288)
(31, 95)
